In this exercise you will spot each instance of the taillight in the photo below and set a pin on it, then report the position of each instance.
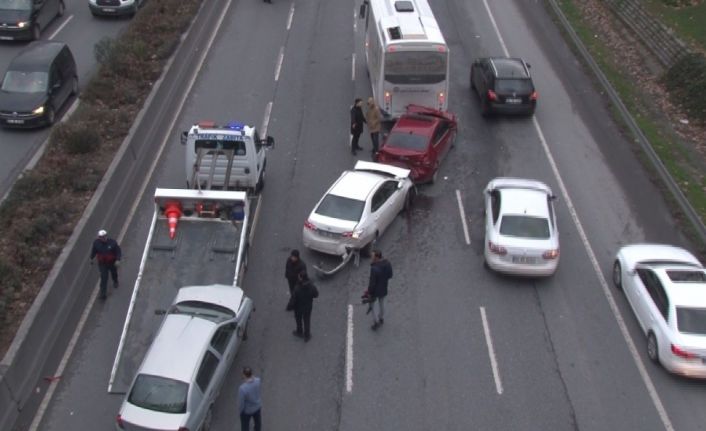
(497, 249)
(388, 100)
(534, 96)
(309, 225)
(347, 234)
(682, 353)
(492, 96)
(119, 421)
(551, 254)
(441, 98)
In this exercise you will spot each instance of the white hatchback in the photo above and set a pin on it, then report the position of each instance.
(666, 288)
(358, 208)
(521, 234)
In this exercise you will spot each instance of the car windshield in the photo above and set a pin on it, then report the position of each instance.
(408, 141)
(15, 4)
(159, 394)
(519, 86)
(18, 81)
(691, 320)
(204, 310)
(341, 208)
(523, 226)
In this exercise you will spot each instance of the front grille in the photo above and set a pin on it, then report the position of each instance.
(108, 2)
(12, 114)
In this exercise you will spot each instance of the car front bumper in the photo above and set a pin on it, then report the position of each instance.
(15, 33)
(544, 268)
(23, 121)
(508, 108)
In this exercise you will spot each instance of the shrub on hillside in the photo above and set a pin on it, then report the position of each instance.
(77, 137)
(686, 82)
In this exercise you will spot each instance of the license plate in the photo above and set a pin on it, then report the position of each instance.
(328, 234)
(14, 121)
(523, 259)
(513, 100)
(5, 37)
(108, 9)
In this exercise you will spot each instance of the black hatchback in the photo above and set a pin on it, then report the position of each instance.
(503, 85)
(37, 83)
(25, 19)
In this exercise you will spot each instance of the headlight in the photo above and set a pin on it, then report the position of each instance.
(39, 111)
(357, 233)
(22, 24)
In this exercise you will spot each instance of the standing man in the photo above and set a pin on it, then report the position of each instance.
(292, 269)
(107, 252)
(357, 121)
(380, 274)
(249, 402)
(373, 118)
(303, 302)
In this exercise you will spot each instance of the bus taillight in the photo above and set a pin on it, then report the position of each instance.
(442, 100)
(388, 101)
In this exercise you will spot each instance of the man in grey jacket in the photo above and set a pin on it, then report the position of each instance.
(249, 402)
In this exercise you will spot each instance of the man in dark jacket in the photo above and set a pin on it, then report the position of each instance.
(108, 254)
(292, 269)
(380, 274)
(303, 302)
(357, 121)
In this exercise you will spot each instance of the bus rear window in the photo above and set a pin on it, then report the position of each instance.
(215, 144)
(415, 67)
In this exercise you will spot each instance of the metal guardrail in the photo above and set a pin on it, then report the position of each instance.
(684, 204)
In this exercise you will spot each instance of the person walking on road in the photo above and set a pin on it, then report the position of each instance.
(380, 274)
(108, 254)
(357, 121)
(249, 402)
(303, 302)
(373, 117)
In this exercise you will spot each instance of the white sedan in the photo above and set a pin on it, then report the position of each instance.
(521, 234)
(666, 288)
(358, 208)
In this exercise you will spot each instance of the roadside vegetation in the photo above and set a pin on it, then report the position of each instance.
(45, 204)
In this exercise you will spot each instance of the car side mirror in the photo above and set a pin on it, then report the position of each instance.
(529, 66)
(552, 197)
(184, 136)
(268, 142)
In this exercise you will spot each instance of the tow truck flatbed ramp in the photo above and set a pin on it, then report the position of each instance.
(204, 250)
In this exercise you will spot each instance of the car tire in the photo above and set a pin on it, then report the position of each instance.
(208, 420)
(367, 250)
(51, 116)
(409, 200)
(62, 8)
(473, 86)
(36, 32)
(261, 181)
(484, 107)
(617, 275)
(652, 347)
(435, 176)
(74, 85)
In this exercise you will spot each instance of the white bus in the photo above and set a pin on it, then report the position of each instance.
(406, 54)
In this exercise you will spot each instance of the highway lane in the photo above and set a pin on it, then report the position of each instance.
(560, 356)
(81, 31)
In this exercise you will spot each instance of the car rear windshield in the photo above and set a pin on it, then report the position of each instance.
(159, 394)
(15, 4)
(18, 81)
(686, 276)
(341, 208)
(204, 310)
(524, 226)
(519, 86)
(407, 141)
(691, 320)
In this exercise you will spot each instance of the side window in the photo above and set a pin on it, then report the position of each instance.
(440, 131)
(208, 367)
(551, 211)
(655, 290)
(383, 194)
(495, 204)
(54, 78)
(222, 337)
(258, 146)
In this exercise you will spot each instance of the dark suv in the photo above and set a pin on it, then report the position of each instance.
(25, 19)
(503, 85)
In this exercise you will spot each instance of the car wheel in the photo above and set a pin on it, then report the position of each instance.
(409, 199)
(473, 86)
(36, 32)
(484, 107)
(261, 181)
(62, 9)
(652, 347)
(617, 275)
(208, 420)
(367, 250)
(74, 86)
(435, 176)
(51, 116)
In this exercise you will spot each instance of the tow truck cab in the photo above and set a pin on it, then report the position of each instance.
(232, 156)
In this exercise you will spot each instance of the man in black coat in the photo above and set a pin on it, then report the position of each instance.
(108, 254)
(303, 302)
(380, 274)
(292, 269)
(357, 121)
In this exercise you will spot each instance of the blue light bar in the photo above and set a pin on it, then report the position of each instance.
(235, 125)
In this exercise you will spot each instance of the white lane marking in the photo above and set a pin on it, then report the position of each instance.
(355, 20)
(462, 211)
(61, 27)
(290, 18)
(491, 352)
(279, 63)
(349, 351)
(266, 119)
(656, 400)
(353, 68)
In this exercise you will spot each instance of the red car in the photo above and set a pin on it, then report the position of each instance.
(419, 141)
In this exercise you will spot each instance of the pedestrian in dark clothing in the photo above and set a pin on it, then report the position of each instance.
(292, 269)
(357, 121)
(249, 402)
(380, 274)
(108, 254)
(373, 118)
(304, 295)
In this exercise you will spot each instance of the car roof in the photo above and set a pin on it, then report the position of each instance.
(417, 124)
(356, 184)
(530, 202)
(37, 56)
(219, 294)
(509, 68)
(169, 356)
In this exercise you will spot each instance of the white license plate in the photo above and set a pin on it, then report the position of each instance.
(5, 37)
(14, 121)
(523, 259)
(513, 100)
(108, 9)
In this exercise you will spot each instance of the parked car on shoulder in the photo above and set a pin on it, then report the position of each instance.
(419, 140)
(358, 208)
(521, 234)
(37, 84)
(25, 19)
(114, 7)
(503, 85)
(666, 289)
(181, 375)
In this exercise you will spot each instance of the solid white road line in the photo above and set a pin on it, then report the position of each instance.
(353, 68)
(61, 27)
(290, 18)
(491, 352)
(278, 68)
(463, 217)
(656, 400)
(349, 351)
(266, 119)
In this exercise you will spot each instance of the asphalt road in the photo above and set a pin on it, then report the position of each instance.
(559, 358)
(81, 31)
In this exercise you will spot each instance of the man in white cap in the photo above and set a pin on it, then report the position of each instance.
(108, 254)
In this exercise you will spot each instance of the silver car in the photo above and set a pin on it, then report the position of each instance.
(666, 289)
(521, 234)
(358, 208)
(182, 373)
